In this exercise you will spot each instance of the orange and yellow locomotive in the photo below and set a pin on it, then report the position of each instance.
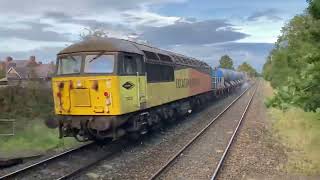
(106, 87)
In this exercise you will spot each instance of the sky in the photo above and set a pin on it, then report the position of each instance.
(246, 30)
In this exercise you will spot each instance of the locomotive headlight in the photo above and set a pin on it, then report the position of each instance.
(79, 84)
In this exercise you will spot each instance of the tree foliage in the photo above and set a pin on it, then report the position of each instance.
(314, 8)
(293, 66)
(245, 67)
(93, 33)
(226, 62)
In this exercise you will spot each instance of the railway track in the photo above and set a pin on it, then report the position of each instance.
(73, 162)
(34, 166)
(225, 152)
(166, 167)
(66, 164)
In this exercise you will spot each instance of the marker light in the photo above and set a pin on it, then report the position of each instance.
(79, 84)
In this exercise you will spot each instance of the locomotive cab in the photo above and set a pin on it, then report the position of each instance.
(96, 87)
(83, 79)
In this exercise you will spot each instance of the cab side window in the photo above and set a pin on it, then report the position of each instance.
(131, 64)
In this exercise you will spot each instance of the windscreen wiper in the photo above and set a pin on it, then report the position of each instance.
(97, 56)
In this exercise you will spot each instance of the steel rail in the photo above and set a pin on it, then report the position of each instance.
(42, 162)
(79, 170)
(174, 157)
(219, 166)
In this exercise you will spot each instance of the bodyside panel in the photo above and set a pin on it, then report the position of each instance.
(187, 82)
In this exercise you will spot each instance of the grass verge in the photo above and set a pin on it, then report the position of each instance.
(32, 137)
(299, 131)
(29, 106)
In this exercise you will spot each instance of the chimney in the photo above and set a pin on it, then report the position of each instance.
(9, 59)
(32, 59)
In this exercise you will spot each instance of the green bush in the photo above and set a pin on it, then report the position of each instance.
(29, 106)
(31, 101)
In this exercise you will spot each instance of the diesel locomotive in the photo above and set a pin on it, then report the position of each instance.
(105, 88)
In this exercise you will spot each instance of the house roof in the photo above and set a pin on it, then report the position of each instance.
(22, 72)
(43, 70)
(21, 69)
(17, 63)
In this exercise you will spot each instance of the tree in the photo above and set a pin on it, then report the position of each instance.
(293, 66)
(314, 8)
(92, 33)
(245, 67)
(226, 62)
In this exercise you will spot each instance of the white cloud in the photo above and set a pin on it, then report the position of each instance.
(253, 53)
(119, 18)
(261, 31)
(16, 44)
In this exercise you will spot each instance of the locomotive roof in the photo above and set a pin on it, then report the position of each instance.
(101, 44)
(115, 45)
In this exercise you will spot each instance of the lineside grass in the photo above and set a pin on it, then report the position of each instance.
(32, 137)
(299, 131)
(29, 106)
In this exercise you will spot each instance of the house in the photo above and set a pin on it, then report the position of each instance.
(25, 70)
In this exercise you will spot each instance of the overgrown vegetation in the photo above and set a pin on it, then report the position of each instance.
(299, 132)
(293, 67)
(32, 101)
(30, 106)
(2, 74)
(32, 137)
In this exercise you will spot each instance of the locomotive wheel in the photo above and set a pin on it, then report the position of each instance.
(134, 136)
(172, 119)
(80, 138)
(157, 127)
